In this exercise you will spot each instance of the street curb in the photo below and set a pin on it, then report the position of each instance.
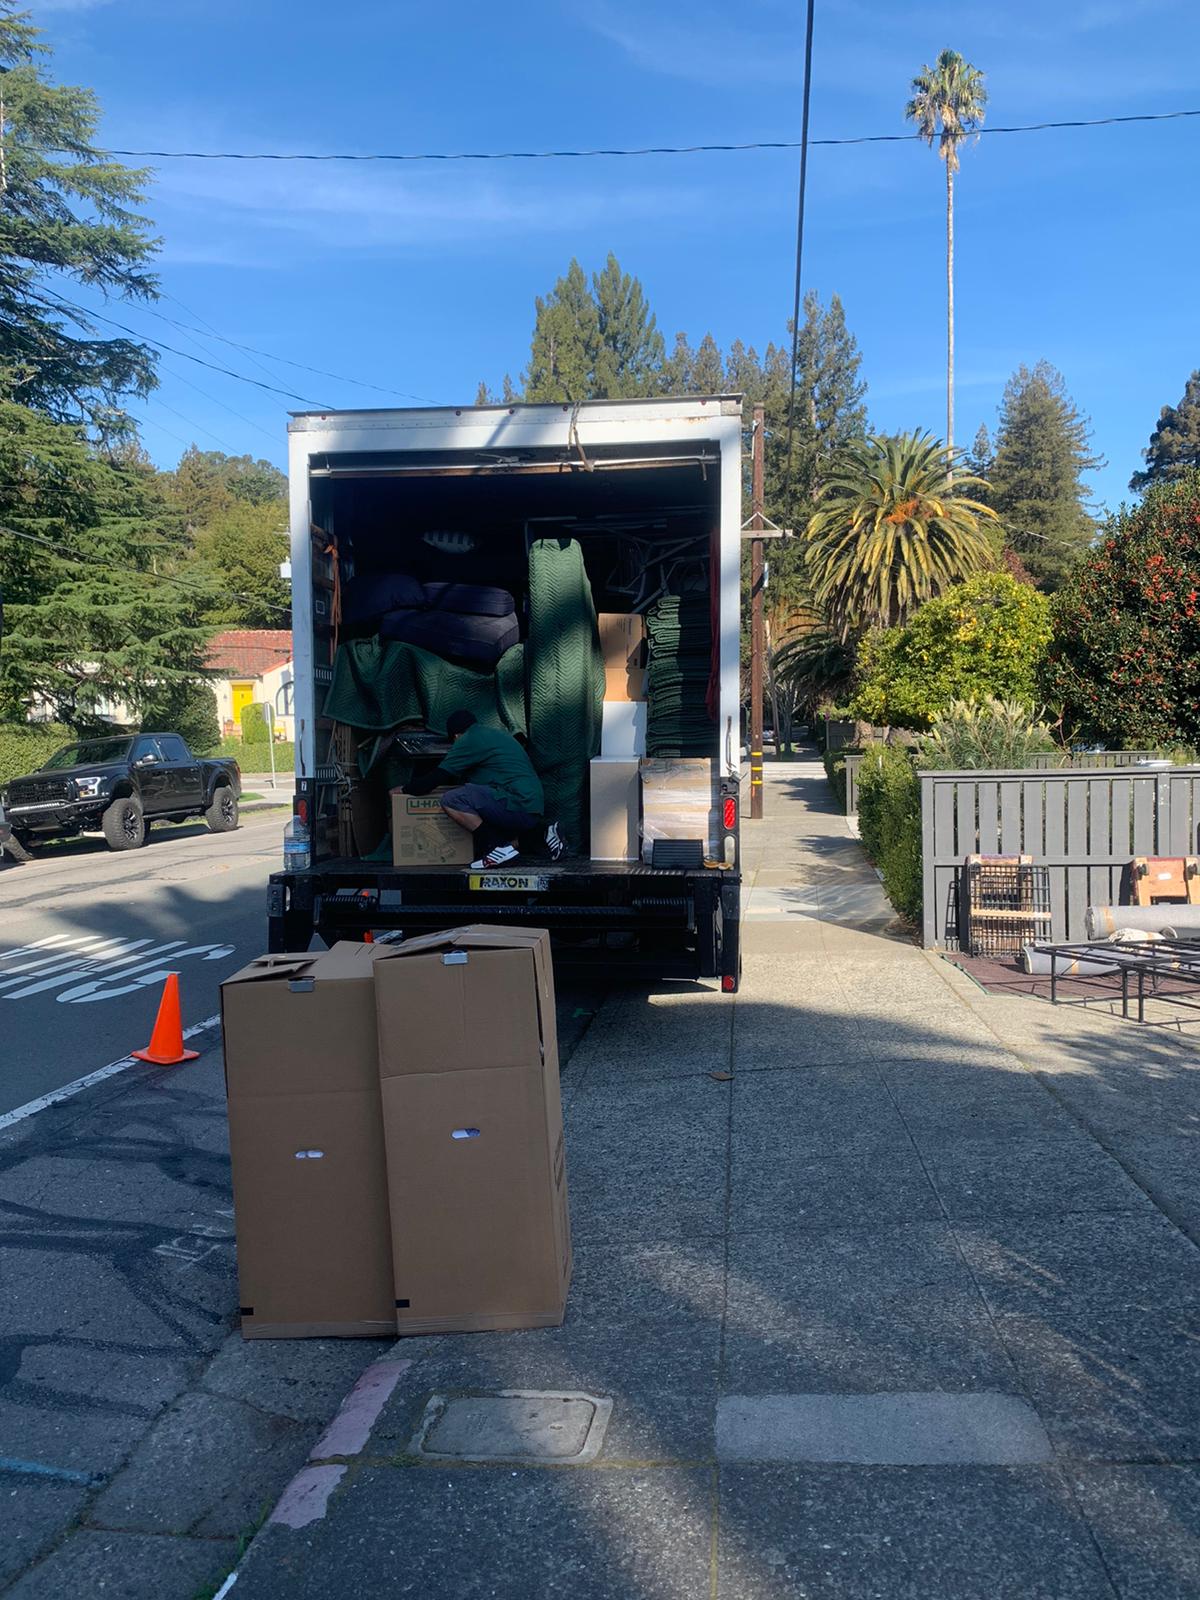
(306, 1497)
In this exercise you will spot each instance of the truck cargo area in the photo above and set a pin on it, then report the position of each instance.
(445, 558)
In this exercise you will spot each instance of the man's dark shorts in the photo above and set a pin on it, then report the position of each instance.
(485, 802)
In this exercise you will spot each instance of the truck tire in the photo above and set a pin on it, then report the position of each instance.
(222, 814)
(124, 824)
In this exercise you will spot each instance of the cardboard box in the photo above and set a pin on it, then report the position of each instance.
(424, 836)
(615, 792)
(306, 1138)
(468, 1061)
(679, 801)
(623, 645)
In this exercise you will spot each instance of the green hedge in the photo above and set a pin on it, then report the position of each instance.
(257, 757)
(889, 822)
(254, 724)
(835, 771)
(25, 745)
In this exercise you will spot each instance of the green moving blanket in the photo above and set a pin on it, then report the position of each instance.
(566, 681)
(680, 636)
(379, 683)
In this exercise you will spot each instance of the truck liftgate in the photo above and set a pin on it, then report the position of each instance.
(673, 921)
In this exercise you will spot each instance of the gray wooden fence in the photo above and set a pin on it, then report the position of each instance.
(1085, 825)
(1086, 759)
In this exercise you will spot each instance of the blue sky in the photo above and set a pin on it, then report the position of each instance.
(1077, 246)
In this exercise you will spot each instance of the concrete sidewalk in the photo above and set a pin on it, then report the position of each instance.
(879, 1275)
(142, 1440)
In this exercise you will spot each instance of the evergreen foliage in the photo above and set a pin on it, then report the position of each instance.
(69, 212)
(1174, 447)
(1035, 478)
(87, 548)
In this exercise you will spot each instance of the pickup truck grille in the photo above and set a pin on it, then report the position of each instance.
(37, 791)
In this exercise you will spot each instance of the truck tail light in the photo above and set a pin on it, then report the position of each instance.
(729, 814)
(300, 809)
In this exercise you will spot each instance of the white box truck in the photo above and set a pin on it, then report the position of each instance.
(651, 492)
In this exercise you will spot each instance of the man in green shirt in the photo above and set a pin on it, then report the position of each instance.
(495, 792)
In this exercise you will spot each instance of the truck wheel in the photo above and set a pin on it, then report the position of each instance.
(124, 824)
(222, 814)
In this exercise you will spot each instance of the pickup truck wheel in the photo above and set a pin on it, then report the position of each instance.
(222, 814)
(124, 824)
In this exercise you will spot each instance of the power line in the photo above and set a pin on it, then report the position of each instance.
(641, 150)
(252, 350)
(233, 412)
(66, 554)
(82, 312)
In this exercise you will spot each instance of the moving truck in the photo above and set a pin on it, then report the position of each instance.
(649, 493)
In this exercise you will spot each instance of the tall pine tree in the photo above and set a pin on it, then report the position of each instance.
(68, 211)
(630, 351)
(1036, 484)
(87, 549)
(566, 341)
(1174, 448)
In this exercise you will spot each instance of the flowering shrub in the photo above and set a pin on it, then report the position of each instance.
(1125, 661)
(982, 639)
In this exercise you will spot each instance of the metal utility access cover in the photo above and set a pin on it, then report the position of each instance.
(512, 1425)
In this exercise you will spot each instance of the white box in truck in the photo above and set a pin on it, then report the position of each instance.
(652, 492)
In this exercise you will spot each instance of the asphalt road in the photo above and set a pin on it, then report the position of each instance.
(87, 937)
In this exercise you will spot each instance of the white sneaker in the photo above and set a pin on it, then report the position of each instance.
(499, 857)
(555, 842)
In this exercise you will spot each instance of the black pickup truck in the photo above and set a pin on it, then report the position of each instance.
(118, 786)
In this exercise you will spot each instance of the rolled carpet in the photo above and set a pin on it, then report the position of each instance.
(1104, 920)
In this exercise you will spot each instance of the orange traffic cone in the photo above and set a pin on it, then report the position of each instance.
(166, 1042)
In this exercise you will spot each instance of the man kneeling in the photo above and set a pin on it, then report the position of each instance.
(496, 794)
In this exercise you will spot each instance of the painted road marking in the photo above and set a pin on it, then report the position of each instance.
(32, 1107)
(99, 970)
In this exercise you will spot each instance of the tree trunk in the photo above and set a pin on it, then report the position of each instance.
(949, 307)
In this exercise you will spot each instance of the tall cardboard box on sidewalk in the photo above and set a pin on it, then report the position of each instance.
(306, 1137)
(468, 1063)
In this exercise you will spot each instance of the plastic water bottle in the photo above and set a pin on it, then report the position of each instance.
(297, 855)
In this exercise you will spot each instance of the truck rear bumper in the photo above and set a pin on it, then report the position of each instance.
(683, 919)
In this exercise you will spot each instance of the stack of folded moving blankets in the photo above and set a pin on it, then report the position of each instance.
(679, 629)
(462, 621)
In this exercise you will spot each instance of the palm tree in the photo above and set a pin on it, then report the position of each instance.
(948, 103)
(892, 529)
(814, 666)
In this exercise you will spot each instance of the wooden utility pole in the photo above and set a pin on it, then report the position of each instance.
(757, 576)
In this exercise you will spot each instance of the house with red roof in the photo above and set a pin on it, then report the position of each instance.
(252, 665)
